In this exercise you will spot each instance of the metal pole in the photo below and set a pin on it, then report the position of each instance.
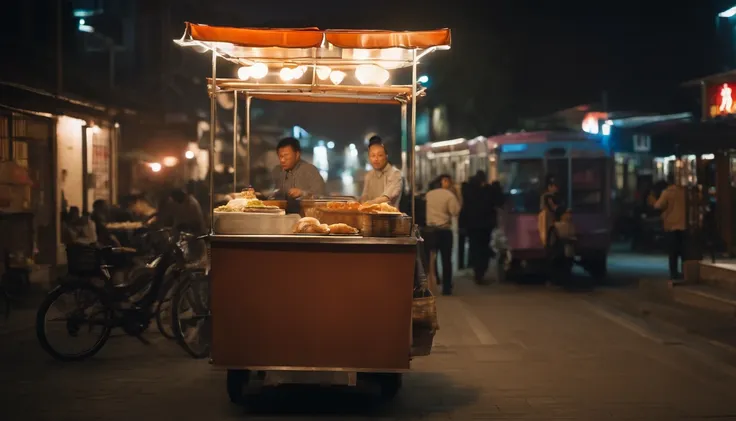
(704, 106)
(213, 130)
(59, 48)
(413, 129)
(248, 99)
(235, 141)
(404, 143)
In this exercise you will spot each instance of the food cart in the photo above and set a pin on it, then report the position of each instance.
(338, 307)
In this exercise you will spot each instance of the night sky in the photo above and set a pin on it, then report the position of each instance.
(512, 59)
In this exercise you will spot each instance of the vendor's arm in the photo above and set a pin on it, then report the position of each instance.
(392, 191)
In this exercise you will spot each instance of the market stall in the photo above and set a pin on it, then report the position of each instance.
(330, 289)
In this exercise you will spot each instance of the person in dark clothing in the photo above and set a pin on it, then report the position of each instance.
(481, 219)
(462, 236)
(101, 217)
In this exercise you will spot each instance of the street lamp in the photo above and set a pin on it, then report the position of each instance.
(728, 13)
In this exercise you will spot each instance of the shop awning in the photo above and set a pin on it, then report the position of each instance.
(724, 77)
(693, 137)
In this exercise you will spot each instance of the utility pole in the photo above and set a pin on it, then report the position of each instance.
(59, 47)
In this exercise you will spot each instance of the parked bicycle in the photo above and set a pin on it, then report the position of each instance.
(191, 313)
(189, 260)
(101, 305)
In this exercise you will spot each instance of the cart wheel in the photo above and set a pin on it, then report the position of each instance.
(236, 382)
(390, 384)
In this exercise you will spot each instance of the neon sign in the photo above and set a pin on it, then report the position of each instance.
(722, 102)
(726, 98)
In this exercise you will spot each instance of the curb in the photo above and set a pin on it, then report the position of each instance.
(638, 309)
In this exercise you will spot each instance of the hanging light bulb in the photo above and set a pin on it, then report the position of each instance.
(369, 74)
(286, 74)
(299, 71)
(258, 71)
(244, 73)
(393, 57)
(337, 77)
(323, 72)
(382, 75)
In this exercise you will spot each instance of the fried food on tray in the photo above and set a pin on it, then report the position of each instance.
(378, 208)
(309, 225)
(343, 206)
(246, 203)
(342, 229)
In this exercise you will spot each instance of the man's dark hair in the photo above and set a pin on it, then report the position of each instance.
(670, 178)
(376, 141)
(443, 176)
(290, 142)
(178, 195)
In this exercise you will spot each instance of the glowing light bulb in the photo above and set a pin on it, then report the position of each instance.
(394, 56)
(299, 72)
(323, 72)
(286, 74)
(155, 167)
(244, 73)
(337, 77)
(368, 74)
(258, 71)
(189, 155)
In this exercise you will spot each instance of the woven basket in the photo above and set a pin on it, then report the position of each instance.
(385, 225)
(83, 260)
(422, 339)
(332, 216)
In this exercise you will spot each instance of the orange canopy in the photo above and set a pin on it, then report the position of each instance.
(313, 37)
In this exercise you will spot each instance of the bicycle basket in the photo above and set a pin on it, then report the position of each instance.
(83, 260)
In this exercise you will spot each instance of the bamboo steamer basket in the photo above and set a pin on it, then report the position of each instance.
(385, 225)
(336, 216)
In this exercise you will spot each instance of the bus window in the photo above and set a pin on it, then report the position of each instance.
(588, 182)
(523, 180)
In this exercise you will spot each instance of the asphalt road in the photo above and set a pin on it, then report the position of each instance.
(503, 352)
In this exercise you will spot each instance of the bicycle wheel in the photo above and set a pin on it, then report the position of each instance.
(191, 314)
(164, 319)
(89, 302)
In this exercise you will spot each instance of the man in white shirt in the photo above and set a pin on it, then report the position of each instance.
(672, 204)
(442, 206)
(384, 183)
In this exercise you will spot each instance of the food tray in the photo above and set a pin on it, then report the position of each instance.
(308, 206)
(318, 234)
(385, 225)
(251, 223)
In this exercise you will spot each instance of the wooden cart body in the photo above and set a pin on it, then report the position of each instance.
(312, 303)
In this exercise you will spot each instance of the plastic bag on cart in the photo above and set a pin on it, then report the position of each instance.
(424, 309)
